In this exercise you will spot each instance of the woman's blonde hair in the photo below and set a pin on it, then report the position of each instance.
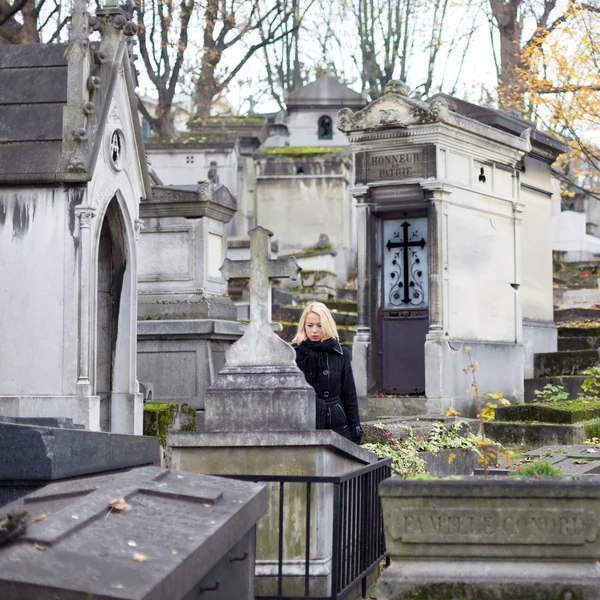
(327, 323)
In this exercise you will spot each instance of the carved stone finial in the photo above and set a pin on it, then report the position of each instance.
(93, 83)
(438, 110)
(76, 164)
(79, 134)
(526, 134)
(396, 86)
(79, 27)
(88, 108)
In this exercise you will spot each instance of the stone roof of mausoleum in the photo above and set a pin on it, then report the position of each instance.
(325, 92)
(508, 122)
(33, 92)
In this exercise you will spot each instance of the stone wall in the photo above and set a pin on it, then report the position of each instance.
(303, 197)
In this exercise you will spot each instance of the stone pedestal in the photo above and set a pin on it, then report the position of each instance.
(303, 454)
(186, 319)
(180, 357)
(249, 398)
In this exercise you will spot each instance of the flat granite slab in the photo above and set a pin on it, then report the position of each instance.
(34, 453)
(148, 534)
(579, 459)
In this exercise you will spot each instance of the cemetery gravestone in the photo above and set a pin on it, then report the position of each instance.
(260, 420)
(505, 537)
(260, 386)
(148, 534)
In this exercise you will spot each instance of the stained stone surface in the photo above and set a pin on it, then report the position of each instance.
(260, 398)
(505, 537)
(180, 536)
(46, 453)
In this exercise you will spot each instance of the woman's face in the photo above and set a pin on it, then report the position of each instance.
(312, 327)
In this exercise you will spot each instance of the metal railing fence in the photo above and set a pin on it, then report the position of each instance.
(357, 539)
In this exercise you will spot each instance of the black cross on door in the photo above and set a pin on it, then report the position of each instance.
(406, 274)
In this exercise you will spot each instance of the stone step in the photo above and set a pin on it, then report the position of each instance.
(578, 343)
(380, 407)
(527, 436)
(576, 314)
(291, 314)
(289, 331)
(349, 306)
(349, 294)
(564, 332)
(572, 385)
(552, 364)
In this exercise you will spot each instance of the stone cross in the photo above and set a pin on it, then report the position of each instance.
(260, 346)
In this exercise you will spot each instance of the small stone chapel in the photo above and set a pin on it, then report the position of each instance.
(454, 249)
(72, 174)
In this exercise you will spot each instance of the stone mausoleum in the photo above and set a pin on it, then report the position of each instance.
(289, 172)
(72, 174)
(454, 248)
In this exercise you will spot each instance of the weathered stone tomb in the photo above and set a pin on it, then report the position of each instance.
(148, 534)
(260, 420)
(72, 173)
(186, 320)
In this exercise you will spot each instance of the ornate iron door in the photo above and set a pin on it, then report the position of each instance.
(404, 306)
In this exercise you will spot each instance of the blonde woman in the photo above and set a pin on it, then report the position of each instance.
(326, 367)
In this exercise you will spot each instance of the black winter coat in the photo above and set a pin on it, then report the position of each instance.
(330, 374)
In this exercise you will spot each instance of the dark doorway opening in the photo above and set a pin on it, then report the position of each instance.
(111, 268)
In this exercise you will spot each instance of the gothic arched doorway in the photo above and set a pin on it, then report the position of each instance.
(112, 264)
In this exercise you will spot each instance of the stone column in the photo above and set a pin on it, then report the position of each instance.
(361, 345)
(437, 259)
(85, 214)
(518, 209)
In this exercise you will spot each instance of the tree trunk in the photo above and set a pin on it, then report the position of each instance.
(13, 32)
(206, 87)
(205, 92)
(511, 87)
(163, 123)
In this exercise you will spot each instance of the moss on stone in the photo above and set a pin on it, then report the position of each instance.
(592, 429)
(570, 411)
(302, 151)
(160, 416)
(227, 120)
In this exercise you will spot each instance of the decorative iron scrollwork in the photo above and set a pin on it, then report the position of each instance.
(406, 272)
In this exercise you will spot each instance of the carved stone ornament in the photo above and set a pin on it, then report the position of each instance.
(392, 110)
(76, 163)
(116, 150)
(396, 86)
(139, 226)
(85, 214)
